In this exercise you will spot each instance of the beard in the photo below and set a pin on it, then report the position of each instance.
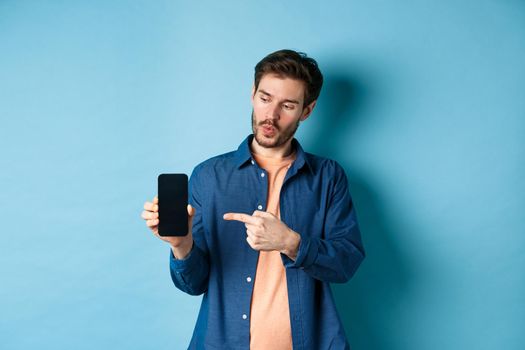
(280, 137)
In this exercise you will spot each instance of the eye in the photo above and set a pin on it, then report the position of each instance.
(264, 98)
(288, 106)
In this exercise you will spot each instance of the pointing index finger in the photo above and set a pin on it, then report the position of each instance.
(247, 219)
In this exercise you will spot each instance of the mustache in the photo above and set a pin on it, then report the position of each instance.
(269, 122)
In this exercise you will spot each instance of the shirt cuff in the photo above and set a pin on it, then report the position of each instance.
(189, 260)
(306, 254)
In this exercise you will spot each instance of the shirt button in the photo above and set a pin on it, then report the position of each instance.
(259, 207)
(252, 162)
(248, 279)
(262, 174)
(244, 316)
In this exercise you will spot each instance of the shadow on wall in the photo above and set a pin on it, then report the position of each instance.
(370, 302)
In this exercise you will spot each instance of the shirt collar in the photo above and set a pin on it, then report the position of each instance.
(244, 155)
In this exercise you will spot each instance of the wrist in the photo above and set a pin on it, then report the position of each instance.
(182, 249)
(292, 245)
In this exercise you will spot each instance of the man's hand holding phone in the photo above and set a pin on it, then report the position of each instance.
(180, 245)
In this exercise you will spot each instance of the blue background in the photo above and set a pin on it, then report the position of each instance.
(423, 105)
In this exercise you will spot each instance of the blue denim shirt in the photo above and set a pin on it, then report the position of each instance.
(314, 202)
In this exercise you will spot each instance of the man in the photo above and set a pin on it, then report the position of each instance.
(271, 227)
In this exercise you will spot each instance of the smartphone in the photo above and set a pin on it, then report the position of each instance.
(173, 201)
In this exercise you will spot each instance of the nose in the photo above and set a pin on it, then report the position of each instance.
(273, 111)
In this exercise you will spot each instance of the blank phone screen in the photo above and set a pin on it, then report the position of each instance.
(173, 201)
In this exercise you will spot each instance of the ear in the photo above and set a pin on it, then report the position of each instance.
(308, 110)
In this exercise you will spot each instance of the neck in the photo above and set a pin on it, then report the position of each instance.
(274, 152)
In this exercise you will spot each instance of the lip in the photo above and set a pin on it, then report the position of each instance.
(268, 130)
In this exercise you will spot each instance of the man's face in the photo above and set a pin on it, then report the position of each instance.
(277, 110)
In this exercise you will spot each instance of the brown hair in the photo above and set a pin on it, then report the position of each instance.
(294, 65)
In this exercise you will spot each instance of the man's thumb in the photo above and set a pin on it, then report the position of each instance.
(191, 211)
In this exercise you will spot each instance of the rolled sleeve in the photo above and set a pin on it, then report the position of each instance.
(336, 256)
(190, 274)
(306, 254)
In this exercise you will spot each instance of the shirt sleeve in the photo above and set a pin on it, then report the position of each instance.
(336, 256)
(190, 274)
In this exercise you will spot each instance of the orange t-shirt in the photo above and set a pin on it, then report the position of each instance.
(270, 315)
